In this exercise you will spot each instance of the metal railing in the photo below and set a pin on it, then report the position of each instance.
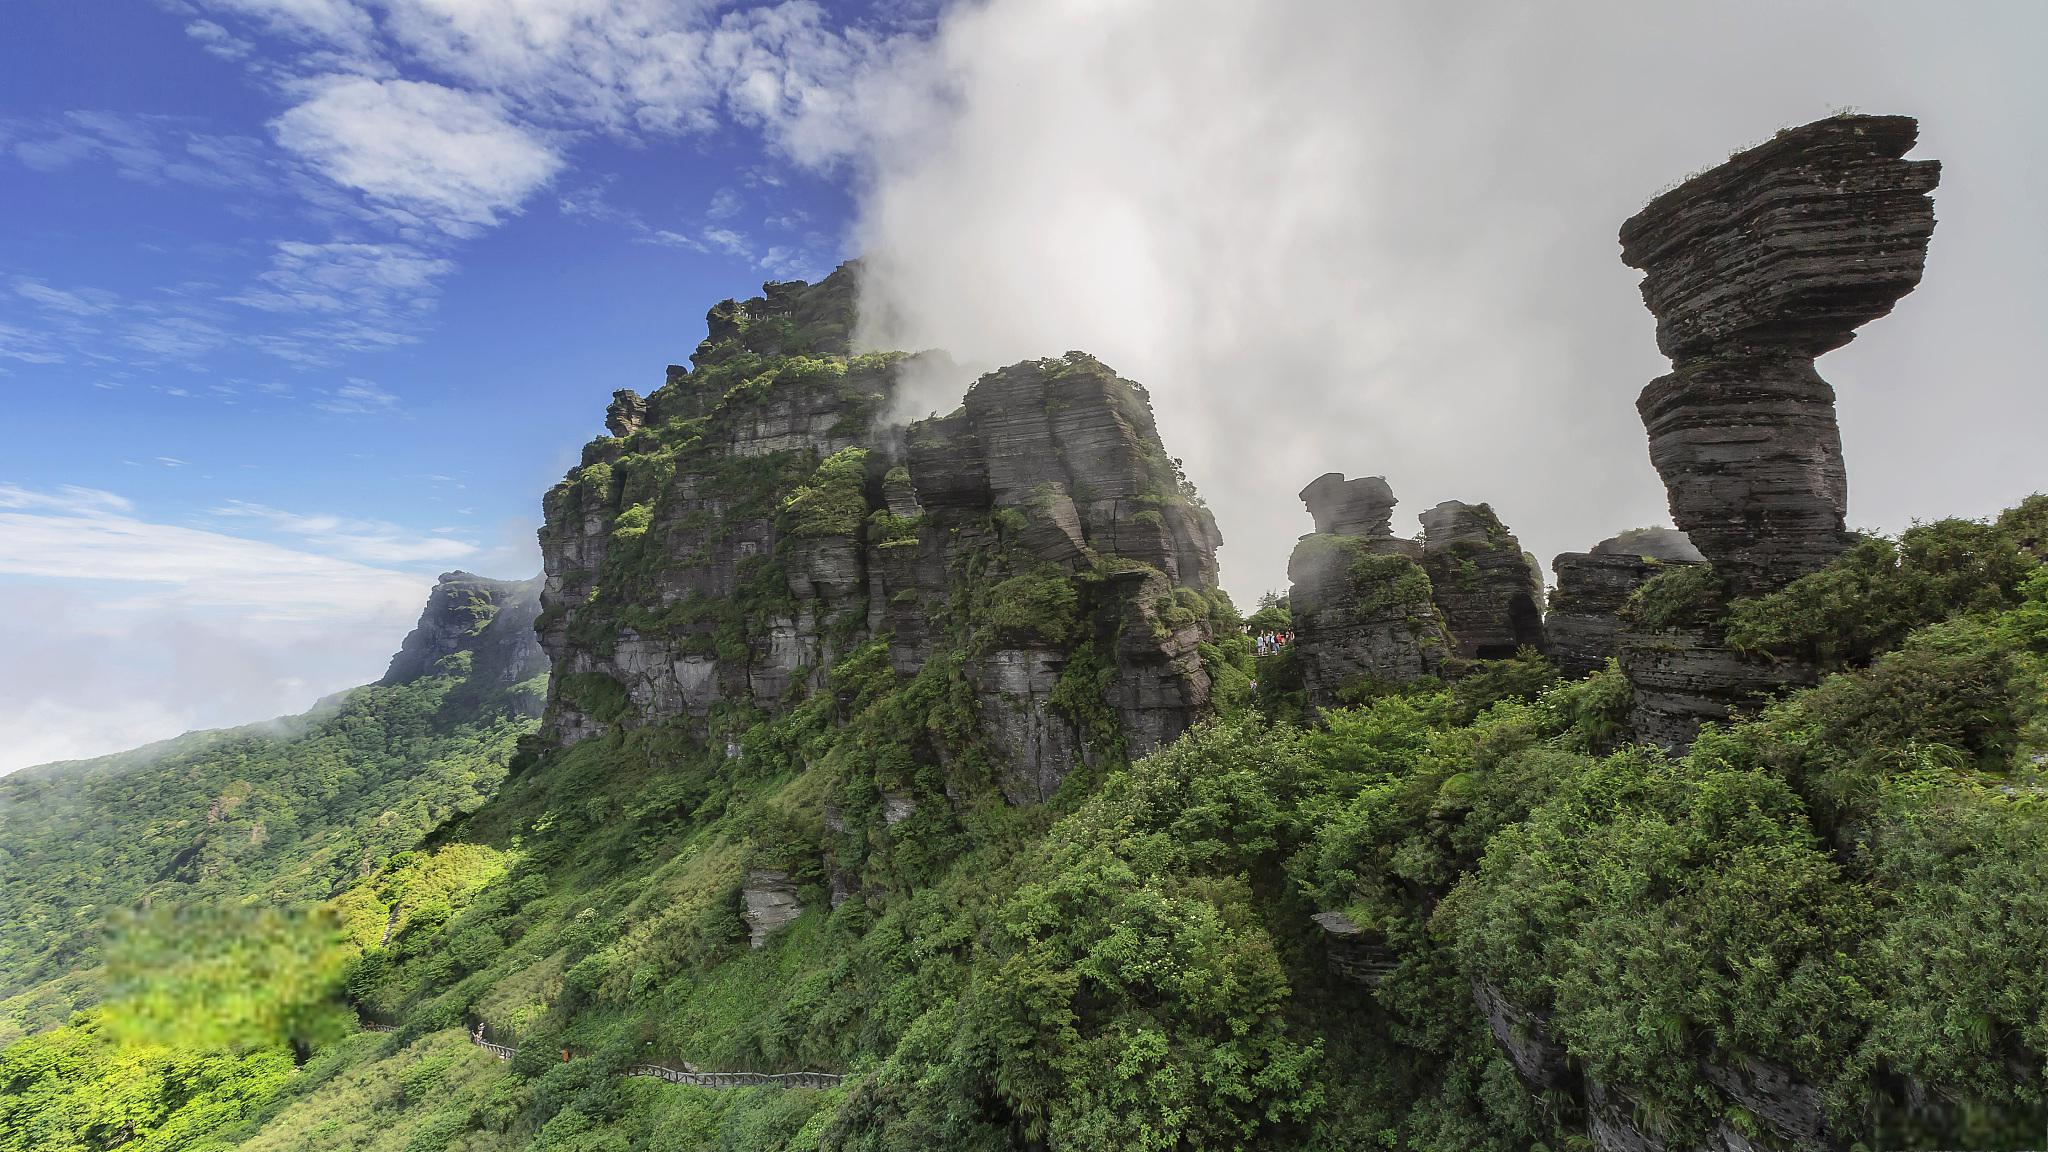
(739, 1079)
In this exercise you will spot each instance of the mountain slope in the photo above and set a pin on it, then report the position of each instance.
(287, 811)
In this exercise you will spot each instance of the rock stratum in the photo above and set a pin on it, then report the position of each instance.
(753, 521)
(1752, 269)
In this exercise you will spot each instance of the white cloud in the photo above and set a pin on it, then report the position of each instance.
(29, 347)
(81, 302)
(449, 157)
(368, 541)
(218, 40)
(339, 24)
(385, 280)
(82, 534)
(150, 149)
(1381, 238)
(358, 397)
(121, 630)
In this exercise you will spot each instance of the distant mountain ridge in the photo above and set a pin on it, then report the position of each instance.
(289, 809)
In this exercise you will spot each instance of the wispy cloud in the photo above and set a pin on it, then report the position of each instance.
(219, 41)
(62, 533)
(79, 302)
(345, 276)
(446, 157)
(369, 541)
(129, 630)
(151, 149)
(357, 397)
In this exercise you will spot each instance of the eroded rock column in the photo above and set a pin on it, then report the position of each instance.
(1753, 269)
(1362, 608)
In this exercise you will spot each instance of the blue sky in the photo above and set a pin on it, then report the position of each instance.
(304, 301)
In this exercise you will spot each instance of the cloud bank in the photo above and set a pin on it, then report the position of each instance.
(122, 630)
(1380, 239)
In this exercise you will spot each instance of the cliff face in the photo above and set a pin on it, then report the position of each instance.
(490, 619)
(1583, 623)
(748, 525)
(1490, 591)
(1373, 609)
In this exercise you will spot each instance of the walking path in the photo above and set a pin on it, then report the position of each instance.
(675, 1075)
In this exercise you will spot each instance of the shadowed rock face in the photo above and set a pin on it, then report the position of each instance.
(492, 619)
(1753, 269)
(1583, 624)
(1487, 587)
(751, 522)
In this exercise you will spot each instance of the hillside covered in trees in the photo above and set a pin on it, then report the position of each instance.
(932, 758)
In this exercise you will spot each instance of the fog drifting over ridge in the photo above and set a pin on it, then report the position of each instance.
(1382, 241)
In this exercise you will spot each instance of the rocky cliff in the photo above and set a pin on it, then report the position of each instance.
(1490, 591)
(491, 620)
(752, 522)
(1583, 620)
(1373, 610)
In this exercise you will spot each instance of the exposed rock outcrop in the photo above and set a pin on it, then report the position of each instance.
(1753, 269)
(1354, 953)
(492, 620)
(770, 902)
(1362, 605)
(751, 522)
(1583, 624)
(1489, 591)
(1524, 1038)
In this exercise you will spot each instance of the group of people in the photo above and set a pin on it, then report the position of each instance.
(1270, 643)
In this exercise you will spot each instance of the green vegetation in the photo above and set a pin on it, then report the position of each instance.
(1678, 598)
(280, 813)
(832, 501)
(1851, 886)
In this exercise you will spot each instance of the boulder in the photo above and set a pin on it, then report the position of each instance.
(770, 904)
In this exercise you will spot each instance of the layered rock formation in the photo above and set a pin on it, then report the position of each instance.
(751, 522)
(769, 902)
(1488, 589)
(492, 620)
(1583, 623)
(1753, 269)
(1363, 615)
(1784, 1112)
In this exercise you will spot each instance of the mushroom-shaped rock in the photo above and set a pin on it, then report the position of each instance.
(1752, 269)
(1361, 507)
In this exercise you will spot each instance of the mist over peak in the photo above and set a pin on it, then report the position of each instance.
(1382, 240)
